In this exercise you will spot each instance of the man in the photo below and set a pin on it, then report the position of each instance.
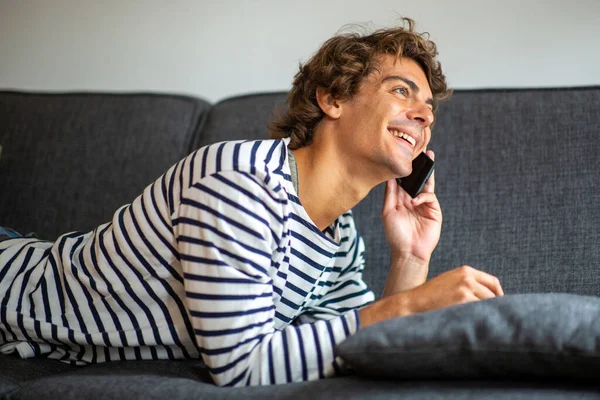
(245, 253)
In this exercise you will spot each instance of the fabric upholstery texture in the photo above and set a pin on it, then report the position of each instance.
(544, 335)
(239, 118)
(186, 380)
(517, 178)
(69, 161)
(516, 174)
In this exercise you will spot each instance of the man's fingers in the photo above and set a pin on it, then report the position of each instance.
(482, 292)
(391, 192)
(390, 188)
(424, 198)
(489, 281)
(431, 154)
(430, 184)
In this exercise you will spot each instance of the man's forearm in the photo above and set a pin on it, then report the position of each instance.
(406, 272)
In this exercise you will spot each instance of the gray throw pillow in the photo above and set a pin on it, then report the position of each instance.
(515, 336)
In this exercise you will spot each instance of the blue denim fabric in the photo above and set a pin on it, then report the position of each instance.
(7, 233)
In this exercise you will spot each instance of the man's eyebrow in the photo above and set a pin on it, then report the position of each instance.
(413, 86)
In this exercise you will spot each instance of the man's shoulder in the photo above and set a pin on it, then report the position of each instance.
(253, 167)
(255, 157)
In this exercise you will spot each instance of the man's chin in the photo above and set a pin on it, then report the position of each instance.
(399, 167)
(403, 171)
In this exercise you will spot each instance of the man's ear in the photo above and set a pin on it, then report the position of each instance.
(330, 106)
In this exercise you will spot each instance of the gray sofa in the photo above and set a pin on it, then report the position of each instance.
(517, 176)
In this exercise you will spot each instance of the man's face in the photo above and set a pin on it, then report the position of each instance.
(386, 124)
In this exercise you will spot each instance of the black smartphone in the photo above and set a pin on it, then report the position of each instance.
(422, 168)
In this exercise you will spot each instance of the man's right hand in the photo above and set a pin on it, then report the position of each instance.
(461, 285)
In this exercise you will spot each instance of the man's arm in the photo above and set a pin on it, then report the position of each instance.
(461, 285)
(406, 273)
(412, 228)
(228, 228)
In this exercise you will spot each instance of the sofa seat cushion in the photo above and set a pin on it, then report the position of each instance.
(153, 381)
(70, 160)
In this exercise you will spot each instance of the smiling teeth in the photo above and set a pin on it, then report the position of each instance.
(404, 136)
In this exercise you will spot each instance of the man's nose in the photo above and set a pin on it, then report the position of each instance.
(421, 114)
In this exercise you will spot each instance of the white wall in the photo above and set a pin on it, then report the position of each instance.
(220, 48)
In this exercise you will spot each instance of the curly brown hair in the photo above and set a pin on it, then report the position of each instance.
(342, 64)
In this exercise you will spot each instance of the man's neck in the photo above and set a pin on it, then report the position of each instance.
(328, 184)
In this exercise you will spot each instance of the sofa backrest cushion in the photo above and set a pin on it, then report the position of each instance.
(239, 118)
(517, 178)
(246, 117)
(70, 160)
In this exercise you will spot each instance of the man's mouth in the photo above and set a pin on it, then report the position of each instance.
(404, 136)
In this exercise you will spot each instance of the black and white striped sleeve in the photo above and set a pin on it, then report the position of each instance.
(229, 227)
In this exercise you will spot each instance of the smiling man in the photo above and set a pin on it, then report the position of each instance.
(246, 253)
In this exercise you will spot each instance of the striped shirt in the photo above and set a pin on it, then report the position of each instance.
(217, 259)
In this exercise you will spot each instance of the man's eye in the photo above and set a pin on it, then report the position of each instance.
(402, 91)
